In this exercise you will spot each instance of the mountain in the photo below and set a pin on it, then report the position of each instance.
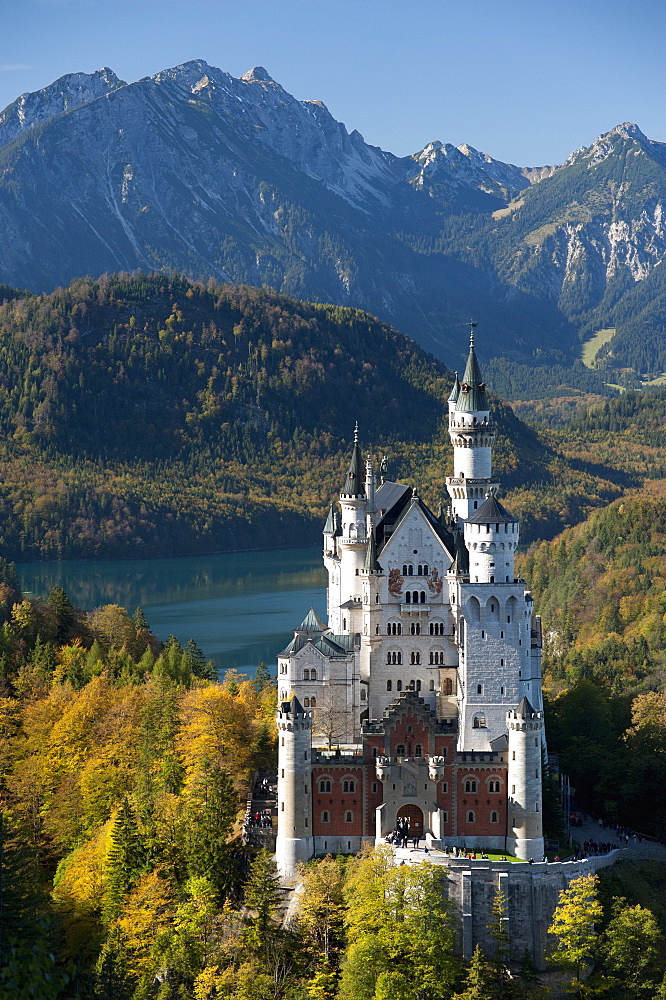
(234, 179)
(152, 415)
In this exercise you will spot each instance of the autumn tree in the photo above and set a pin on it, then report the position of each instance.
(629, 949)
(573, 927)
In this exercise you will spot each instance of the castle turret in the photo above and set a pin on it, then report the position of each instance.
(294, 795)
(524, 800)
(472, 435)
(353, 539)
(491, 538)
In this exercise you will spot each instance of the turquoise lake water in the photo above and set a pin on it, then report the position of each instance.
(241, 607)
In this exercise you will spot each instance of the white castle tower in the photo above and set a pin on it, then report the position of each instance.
(525, 811)
(294, 840)
(498, 663)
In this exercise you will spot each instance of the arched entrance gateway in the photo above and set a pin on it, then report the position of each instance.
(414, 815)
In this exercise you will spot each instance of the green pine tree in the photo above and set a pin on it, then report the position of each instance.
(261, 899)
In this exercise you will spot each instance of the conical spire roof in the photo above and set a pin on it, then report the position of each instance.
(371, 564)
(472, 395)
(525, 710)
(456, 390)
(354, 484)
(329, 527)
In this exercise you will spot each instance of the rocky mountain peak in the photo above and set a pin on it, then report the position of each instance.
(257, 75)
(64, 94)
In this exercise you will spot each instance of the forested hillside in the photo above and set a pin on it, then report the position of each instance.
(146, 416)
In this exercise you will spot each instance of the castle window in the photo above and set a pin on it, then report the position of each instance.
(501, 663)
(444, 787)
(389, 685)
(400, 750)
(479, 689)
(325, 785)
(415, 628)
(374, 786)
(324, 816)
(508, 619)
(306, 702)
(306, 675)
(344, 624)
(483, 634)
(479, 722)
(423, 597)
(501, 634)
(502, 690)
(492, 607)
(470, 786)
(408, 597)
(494, 817)
(493, 786)
(363, 694)
(432, 685)
(349, 816)
(470, 816)
(448, 686)
(398, 686)
(492, 579)
(418, 685)
(376, 629)
(313, 675)
(349, 785)
(313, 702)
(513, 789)
(445, 817)
(415, 657)
(418, 750)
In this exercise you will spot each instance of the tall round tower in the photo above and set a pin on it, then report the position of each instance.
(352, 540)
(491, 536)
(472, 435)
(524, 798)
(294, 793)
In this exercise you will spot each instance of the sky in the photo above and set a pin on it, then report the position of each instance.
(526, 81)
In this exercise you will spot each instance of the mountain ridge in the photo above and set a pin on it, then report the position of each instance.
(195, 170)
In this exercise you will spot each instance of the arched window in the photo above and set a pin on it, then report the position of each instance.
(415, 628)
(479, 688)
(494, 816)
(470, 785)
(418, 750)
(493, 786)
(400, 750)
(349, 816)
(422, 597)
(479, 722)
(306, 703)
(313, 702)
(324, 816)
(398, 686)
(415, 657)
(470, 816)
(306, 675)
(418, 685)
(389, 685)
(363, 695)
(349, 785)
(313, 675)
(448, 686)
(324, 784)
(408, 597)
(432, 685)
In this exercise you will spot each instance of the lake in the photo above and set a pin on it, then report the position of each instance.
(240, 607)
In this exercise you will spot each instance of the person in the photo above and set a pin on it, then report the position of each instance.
(425, 849)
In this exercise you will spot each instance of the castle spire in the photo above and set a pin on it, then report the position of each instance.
(354, 485)
(472, 396)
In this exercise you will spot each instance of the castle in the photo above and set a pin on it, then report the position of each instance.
(419, 703)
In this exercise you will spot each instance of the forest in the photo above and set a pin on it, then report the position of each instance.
(125, 769)
(145, 416)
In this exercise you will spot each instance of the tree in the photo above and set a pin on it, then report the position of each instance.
(321, 905)
(210, 811)
(261, 900)
(573, 926)
(498, 931)
(199, 666)
(481, 979)
(125, 861)
(263, 677)
(629, 948)
(63, 613)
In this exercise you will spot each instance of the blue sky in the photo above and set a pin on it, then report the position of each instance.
(524, 80)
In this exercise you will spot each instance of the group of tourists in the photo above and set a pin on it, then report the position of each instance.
(262, 818)
(402, 835)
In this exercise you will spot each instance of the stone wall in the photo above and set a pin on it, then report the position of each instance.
(532, 892)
